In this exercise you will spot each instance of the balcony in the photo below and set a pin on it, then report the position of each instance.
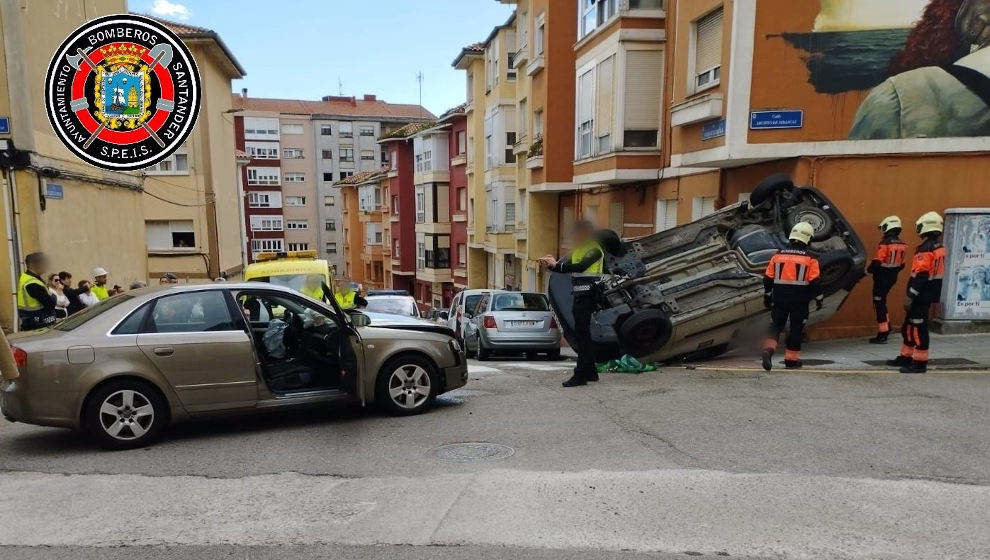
(536, 65)
(521, 58)
(460, 159)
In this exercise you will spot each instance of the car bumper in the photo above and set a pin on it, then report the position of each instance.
(455, 376)
(18, 404)
(520, 341)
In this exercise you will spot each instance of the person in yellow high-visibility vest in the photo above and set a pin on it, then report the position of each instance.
(35, 304)
(587, 259)
(313, 286)
(99, 287)
(347, 296)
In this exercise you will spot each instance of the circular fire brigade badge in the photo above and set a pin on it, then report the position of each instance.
(122, 92)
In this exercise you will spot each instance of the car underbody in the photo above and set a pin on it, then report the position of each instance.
(697, 289)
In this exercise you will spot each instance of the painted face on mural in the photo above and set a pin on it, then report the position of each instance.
(973, 22)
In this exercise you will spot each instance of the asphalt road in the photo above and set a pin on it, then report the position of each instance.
(676, 464)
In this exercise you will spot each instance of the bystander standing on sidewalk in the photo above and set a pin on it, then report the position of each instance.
(99, 286)
(57, 291)
(72, 293)
(86, 295)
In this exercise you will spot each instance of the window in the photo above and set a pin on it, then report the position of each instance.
(462, 198)
(420, 205)
(591, 213)
(292, 128)
(604, 87)
(296, 224)
(204, 311)
(470, 88)
(345, 174)
(372, 233)
(263, 175)
(702, 206)
(327, 154)
(295, 177)
(616, 214)
(645, 4)
(428, 160)
(523, 116)
(538, 123)
(510, 216)
(346, 130)
(328, 176)
(367, 155)
(644, 73)
(175, 164)
(330, 225)
(666, 214)
(265, 200)
(169, 234)
(594, 13)
(266, 223)
(461, 143)
(395, 248)
(585, 114)
(326, 130)
(267, 245)
(329, 200)
(462, 254)
(295, 200)
(420, 256)
(292, 153)
(331, 248)
(260, 128)
(708, 50)
(299, 246)
(489, 152)
(510, 140)
(369, 198)
(395, 205)
(510, 72)
(347, 153)
(367, 131)
(539, 36)
(261, 150)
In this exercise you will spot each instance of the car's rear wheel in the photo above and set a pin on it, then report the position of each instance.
(554, 355)
(483, 353)
(407, 384)
(645, 332)
(126, 414)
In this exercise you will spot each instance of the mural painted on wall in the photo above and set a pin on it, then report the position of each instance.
(926, 62)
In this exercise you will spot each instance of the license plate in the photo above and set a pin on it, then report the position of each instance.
(525, 323)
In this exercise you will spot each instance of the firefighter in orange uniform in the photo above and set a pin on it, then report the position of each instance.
(885, 266)
(924, 289)
(790, 283)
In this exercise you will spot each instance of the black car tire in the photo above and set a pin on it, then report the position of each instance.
(384, 401)
(532, 356)
(766, 188)
(483, 353)
(553, 355)
(645, 332)
(98, 423)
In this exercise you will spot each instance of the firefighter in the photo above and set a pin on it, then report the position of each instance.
(790, 283)
(585, 263)
(924, 289)
(884, 267)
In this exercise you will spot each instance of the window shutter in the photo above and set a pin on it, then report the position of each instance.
(708, 44)
(666, 214)
(158, 235)
(585, 95)
(642, 99)
(604, 102)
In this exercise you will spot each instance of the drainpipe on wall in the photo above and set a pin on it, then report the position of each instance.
(13, 242)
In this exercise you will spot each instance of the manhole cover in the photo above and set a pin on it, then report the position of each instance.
(472, 452)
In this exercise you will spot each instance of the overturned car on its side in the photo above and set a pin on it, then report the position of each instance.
(697, 289)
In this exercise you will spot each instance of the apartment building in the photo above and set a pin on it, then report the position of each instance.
(179, 216)
(772, 86)
(299, 149)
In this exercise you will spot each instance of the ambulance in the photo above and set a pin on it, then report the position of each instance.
(300, 270)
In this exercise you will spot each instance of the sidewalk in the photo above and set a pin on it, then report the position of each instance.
(949, 353)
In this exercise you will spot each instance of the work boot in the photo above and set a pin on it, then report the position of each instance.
(767, 359)
(592, 376)
(900, 361)
(793, 364)
(575, 381)
(915, 367)
(880, 338)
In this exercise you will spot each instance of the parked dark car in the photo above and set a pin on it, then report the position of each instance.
(698, 288)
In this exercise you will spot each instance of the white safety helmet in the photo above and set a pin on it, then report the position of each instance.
(889, 223)
(930, 222)
(802, 231)
(99, 271)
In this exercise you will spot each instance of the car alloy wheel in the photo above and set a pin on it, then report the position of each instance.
(126, 415)
(409, 386)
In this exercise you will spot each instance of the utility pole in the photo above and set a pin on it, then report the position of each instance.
(340, 87)
(419, 78)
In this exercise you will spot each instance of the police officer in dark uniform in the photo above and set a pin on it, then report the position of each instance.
(585, 263)
(35, 305)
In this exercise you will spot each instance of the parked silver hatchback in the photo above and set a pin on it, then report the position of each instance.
(512, 322)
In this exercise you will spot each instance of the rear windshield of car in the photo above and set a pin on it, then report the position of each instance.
(81, 318)
(393, 306)
(520, 302)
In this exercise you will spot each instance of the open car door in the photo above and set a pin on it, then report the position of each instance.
(351, 350)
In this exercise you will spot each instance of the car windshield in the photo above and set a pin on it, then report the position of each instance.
(393, 305)
(519, 302)
(293, 281)
(84, 316)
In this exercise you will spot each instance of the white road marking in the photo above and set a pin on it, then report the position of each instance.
(474, 368)
(537, 366)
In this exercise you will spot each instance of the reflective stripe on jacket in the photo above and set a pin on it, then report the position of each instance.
(890, 253)
(793, 267)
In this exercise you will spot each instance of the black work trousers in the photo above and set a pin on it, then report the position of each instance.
(791, 315)
(881, 288)
(584, 307)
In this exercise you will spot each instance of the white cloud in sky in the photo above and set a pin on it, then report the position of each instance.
(847, 15)
(173, 10)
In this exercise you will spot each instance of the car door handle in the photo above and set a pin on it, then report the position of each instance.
(164, 351)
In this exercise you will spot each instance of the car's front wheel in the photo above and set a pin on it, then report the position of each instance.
(126, 414)
(407, 385)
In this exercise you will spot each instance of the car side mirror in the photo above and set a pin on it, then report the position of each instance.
(443, 315)
(360, 319)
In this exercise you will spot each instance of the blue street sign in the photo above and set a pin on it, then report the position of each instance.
(54, 191)
(4, 125)
(713, 129)
(768, 120)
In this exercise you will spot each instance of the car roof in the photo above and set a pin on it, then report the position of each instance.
(157, 291)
